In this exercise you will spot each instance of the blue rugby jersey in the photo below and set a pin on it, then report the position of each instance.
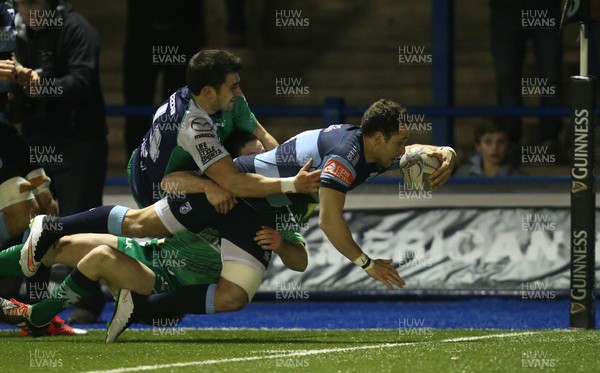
(337, 150)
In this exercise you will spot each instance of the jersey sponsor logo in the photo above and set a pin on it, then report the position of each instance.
(185, 208)
(172, 104)
(155, 137)
(201, 124)
(338, 171)
(204, 135)
(332, 127)
(128, 243)
(353, 155)
(207, 153)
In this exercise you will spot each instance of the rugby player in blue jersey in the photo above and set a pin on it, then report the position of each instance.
(348, 155)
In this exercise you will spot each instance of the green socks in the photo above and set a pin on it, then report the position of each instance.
(9, 261)
(73, 289)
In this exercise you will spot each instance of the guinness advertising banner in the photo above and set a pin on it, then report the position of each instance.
(442, 249)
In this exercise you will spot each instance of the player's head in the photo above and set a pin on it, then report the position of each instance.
(384, 132)
(491, 141)
(214, 75)
(243, 143)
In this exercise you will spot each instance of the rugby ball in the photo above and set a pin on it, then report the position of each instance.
(416, 166)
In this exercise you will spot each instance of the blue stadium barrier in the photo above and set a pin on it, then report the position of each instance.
(483, 180)
(332, 109)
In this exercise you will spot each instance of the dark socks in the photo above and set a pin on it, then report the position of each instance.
(103, 219)
(192, 299)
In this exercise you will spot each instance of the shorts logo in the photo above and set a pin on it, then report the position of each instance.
(185, 208)
(339, 171)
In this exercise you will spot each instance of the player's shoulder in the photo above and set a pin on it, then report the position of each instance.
(343, 140)
(341, 135)
(174, 106)
(341, 128)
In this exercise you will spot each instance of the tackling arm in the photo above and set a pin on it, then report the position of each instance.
(224, 173)
(265, 137)
(292, 254)
(191, 182)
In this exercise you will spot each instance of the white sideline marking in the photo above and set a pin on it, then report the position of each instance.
(305, 353)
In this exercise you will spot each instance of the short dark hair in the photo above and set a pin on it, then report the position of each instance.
(497, 124)
(237, 140)
(384, 116)
(210, 68)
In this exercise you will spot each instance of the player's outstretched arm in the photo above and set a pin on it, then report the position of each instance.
(191, 182)
(447, 157)
(331, 221)
(224, 173)
(293, 255)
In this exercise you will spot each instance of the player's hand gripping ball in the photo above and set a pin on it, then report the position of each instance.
(417, 166)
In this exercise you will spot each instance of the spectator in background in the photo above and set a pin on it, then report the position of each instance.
(62, 107)
(491, 156)
(160, 37)
(513, 24)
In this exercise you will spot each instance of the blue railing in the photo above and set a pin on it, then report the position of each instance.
(334, 111)
(335, 108)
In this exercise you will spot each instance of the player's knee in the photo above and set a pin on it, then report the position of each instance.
(230, 301)
(229, 297)
(18, 215)
(97, 259)
(134, 224)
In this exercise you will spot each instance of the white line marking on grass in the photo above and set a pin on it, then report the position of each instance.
(305, 353)
(476, 338)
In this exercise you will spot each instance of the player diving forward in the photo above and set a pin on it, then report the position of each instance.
(348, 155)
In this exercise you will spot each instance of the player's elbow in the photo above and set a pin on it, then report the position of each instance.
(300, 267)
(324, 223)
(168, 182)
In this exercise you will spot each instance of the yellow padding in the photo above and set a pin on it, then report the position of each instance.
(242, 275)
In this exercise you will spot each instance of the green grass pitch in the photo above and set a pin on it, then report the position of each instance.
(233, 350)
